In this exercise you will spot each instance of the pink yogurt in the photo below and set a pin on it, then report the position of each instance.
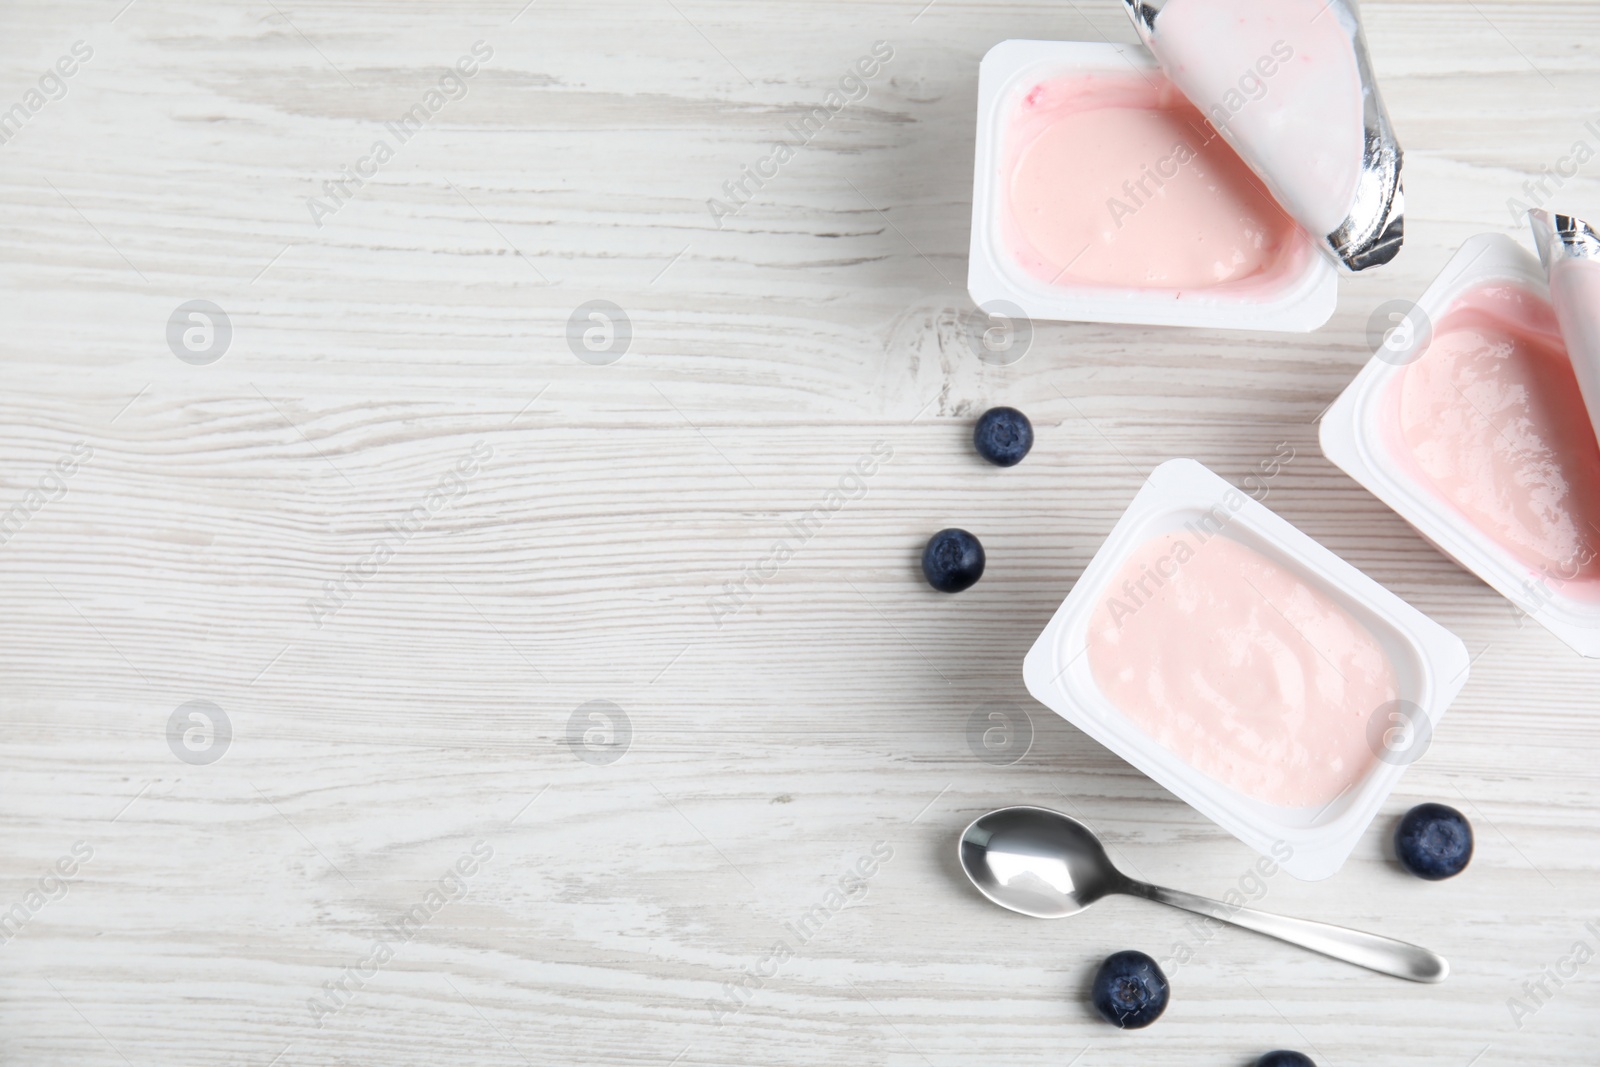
(1240, 667)
(1115, 180)
(1491, 417)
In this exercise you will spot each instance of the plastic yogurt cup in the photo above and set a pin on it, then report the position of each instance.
(1469, 423)
(1246, 668)
(1100, 194)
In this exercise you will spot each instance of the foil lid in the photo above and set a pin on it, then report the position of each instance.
(1289, 85)
(1570, 251)
(1562, 237)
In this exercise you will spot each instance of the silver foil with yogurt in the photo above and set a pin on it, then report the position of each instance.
(1569, 249)
(1313, 126)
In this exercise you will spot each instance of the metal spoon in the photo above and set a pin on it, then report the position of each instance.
(1048, 865)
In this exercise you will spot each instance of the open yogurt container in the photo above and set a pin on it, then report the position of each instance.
(1145, 258)
(1272, 806)
(1370, 433)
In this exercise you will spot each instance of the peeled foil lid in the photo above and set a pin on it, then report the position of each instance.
(1560, 237)
(1567, 246)
(1374, 222)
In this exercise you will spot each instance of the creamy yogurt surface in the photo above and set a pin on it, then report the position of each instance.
(1492, 417)
(1113, 179)
(1241, 667)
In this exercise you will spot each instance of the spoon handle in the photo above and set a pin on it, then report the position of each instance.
(1382, 954)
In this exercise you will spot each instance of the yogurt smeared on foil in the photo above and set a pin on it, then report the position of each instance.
(1289, 85)
(1569, 248)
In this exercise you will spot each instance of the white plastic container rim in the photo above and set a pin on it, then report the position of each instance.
(1430, 663)
(1352, 437)
(1000, 286)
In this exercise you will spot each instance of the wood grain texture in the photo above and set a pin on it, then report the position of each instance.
(581, 559)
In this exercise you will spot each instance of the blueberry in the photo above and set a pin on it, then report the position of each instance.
(1129, 990)
(1285, 1058)
(1003, 436)
(953, 561)
(1434, 841)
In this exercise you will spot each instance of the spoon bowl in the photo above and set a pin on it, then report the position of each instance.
(1037, 861)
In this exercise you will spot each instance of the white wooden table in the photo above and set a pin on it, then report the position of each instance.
(247, 910)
